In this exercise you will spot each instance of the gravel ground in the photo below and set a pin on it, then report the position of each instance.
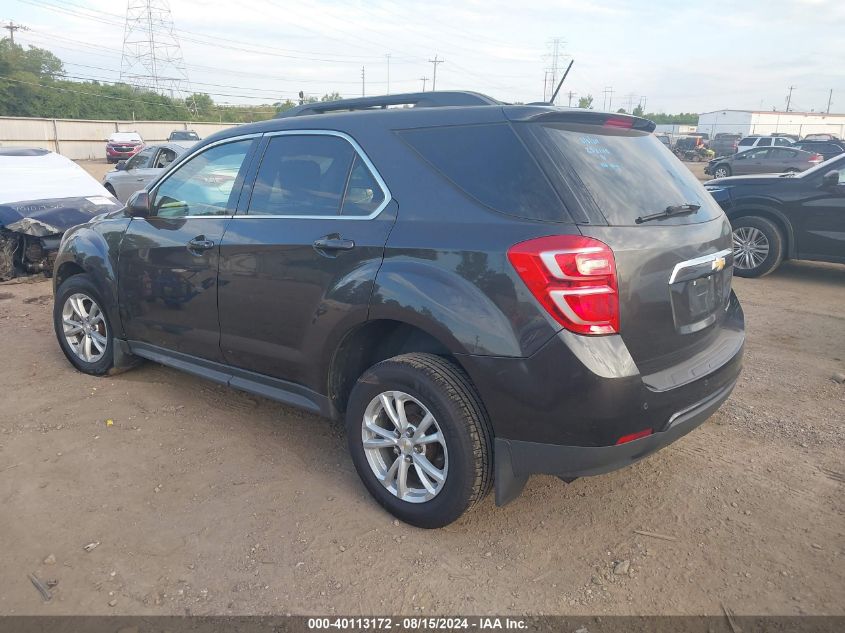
(206, 500)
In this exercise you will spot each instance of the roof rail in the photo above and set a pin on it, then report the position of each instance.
(416, 99)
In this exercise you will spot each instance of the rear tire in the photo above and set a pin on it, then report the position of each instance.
(82, 326)
(462, 456)
(758, 246)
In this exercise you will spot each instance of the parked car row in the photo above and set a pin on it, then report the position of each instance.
(124, 145)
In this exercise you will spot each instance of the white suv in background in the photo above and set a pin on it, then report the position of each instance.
(752, 142)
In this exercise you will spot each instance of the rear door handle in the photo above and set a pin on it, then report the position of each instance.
(333, 244)
(199, 243)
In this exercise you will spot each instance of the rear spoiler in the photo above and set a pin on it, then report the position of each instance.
(587, 117)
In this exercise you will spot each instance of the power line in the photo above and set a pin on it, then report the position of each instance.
(434, 63)
(12, 27)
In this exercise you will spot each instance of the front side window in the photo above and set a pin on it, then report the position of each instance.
(205, 184)
(757, 154)
(313, 175)
(140, 160)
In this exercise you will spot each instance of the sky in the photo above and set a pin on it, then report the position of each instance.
(675, 56)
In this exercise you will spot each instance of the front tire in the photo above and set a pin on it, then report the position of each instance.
(420, 439)
(722, 171)
(757, 246)
(82, 326)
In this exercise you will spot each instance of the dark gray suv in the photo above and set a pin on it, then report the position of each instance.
(481, 291)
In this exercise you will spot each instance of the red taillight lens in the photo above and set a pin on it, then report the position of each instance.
(634, 436)
(574, 278)
(816, 158)
(619, 122)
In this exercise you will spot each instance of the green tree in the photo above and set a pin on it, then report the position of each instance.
(586, 102)
(334, 96)
(638, 111)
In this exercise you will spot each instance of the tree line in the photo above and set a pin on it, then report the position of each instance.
(34, 83)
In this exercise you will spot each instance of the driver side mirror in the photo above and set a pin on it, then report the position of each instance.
(830, 179)
(138, 205)
(121, 165)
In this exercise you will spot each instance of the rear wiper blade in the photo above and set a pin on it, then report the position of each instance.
(677, 209)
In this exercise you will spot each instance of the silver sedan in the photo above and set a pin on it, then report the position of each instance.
(136, 173)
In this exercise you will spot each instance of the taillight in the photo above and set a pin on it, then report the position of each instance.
(634, 436)
(816, 158)
(574, 278)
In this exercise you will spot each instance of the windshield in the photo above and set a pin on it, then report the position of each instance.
(125, 137)
(184, 136)
(622, 173)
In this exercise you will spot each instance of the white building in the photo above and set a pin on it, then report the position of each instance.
(675, 129)
(747, 122)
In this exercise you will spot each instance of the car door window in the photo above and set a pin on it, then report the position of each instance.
(363, 194)
(757, 154)
(140, 160)
(314, 175)
(205, 184)
(782, 142)
(781, 154)
(764, 142)
(164, 157)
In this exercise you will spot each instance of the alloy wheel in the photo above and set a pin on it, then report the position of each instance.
(84, 327)
(404, 446)
(751, 247)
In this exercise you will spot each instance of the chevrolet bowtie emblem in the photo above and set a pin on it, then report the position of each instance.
(719, 263)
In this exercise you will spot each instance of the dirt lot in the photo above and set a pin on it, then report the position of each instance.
(205, 500)
(211, 501)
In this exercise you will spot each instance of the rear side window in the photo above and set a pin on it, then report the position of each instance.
(490, 164)
(764, 142)
(623, 174)
(747, 142)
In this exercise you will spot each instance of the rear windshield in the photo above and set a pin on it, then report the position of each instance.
(489, 163)
(621, 173)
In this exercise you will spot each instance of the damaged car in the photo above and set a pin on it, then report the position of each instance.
(42, 195)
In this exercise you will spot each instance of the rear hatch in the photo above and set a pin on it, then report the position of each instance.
(674, 271)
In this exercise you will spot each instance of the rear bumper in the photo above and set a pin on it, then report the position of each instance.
(562, 411)
(515, 460)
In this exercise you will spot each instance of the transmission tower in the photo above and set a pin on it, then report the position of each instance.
(152, 57)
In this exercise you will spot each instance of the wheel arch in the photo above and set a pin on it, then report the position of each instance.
(86, 251)
(773, 215)
(372, 342)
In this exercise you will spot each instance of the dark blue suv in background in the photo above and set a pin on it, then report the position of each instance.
(481, 291)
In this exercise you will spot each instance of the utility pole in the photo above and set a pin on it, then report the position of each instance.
(12, 27)
(829, 100)
(388, 73)
(608, 98)
(631, 102)
(545, 84)
(570, 95)
(789, 97)
(424, 79)
(363, 82)
(642, 104)
(434, 62)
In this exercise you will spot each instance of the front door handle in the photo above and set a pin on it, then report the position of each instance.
(333, 243)
(199, 243)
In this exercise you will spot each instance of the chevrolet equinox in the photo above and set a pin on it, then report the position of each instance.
(481, 291)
